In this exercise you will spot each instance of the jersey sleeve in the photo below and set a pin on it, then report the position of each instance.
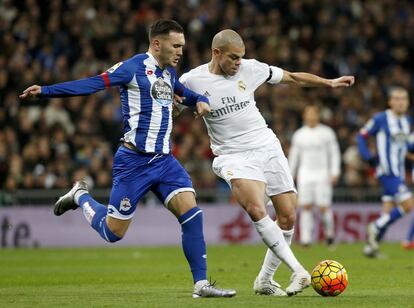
(119, 74)
(371, 128)
(262, 72)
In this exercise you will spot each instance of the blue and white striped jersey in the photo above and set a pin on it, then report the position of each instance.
(393, 139)
(147, 94)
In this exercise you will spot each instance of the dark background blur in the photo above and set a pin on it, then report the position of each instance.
(45, 145)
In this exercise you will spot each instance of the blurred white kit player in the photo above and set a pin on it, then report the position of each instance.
(315, 161)
(249, 155)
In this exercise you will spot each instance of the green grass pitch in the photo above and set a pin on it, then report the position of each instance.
(159, 277)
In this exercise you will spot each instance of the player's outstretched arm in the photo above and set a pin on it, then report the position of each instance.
(311, 80)
(121, 73)
(31, 91)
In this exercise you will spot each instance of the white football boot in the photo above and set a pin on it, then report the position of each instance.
(298, 281)
(204, 288)
(268, 287)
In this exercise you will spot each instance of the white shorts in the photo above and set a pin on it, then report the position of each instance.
(266, 165)
(315, 193)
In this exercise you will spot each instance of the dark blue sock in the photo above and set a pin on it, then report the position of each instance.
(410, 235)
(395, 214)
(193, 242)
(95, 214)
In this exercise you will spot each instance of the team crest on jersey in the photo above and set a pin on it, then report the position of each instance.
(125, 204)
(162, 92)
(115, 67)
(149, 72)
(242, 85)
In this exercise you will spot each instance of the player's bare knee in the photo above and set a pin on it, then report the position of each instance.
(256, 211)
(286, 222)
(118, 227)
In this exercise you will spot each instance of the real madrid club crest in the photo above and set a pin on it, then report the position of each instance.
(162, 92)
(242, 85)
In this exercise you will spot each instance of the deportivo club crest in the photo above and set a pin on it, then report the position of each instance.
(125, 204)
(162, 92)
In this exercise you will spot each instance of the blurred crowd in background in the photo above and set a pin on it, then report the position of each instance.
(51, 143)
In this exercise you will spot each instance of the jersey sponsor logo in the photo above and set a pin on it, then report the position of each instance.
(162, 92)
(241, 85)
(400, 137)
(229, 108)
(115, 67)
(125, 204)
(206, 94)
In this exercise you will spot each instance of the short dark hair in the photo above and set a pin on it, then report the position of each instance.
(164, 27)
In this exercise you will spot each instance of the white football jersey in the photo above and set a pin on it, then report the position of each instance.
(234, 123)
(314, 154)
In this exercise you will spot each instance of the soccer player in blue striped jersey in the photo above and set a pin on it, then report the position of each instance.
(144, 162)
(392, 129)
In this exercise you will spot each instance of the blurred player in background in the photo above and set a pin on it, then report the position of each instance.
(392, 130)
(249, 155)
(144, 162)
(315, 160)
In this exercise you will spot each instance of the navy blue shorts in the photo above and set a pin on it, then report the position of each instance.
(134, 174)
(395, 190)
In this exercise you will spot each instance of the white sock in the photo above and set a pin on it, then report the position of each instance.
(306, 226)
(272, 236)
(328, 223)
(271, 262)
(79, 193)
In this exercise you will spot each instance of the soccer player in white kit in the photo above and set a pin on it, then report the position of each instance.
(249, 155)
(315, 161)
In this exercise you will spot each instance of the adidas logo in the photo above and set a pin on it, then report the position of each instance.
(206, 94)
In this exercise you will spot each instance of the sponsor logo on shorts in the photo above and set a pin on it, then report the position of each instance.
(229, 173)
(125, 205)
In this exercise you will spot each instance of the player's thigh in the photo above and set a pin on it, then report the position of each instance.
(250, 195)
(277, 174)
(174, 187)
(132, 179)
(245, 176)
(248, 191)
(395, 191)
(246, 165)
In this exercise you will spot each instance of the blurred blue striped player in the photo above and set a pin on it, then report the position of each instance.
(392, 129)
(144, 162)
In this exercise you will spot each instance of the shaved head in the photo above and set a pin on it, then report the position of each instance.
(225, 38)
